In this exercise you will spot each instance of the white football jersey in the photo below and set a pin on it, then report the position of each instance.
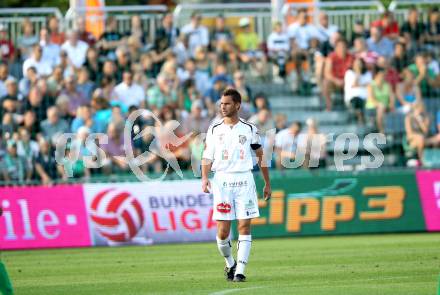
(230, 146)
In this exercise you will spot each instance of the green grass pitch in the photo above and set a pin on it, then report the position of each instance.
(394, 264)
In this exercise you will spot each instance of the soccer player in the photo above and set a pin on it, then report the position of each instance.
(228, 152)
(5, 283)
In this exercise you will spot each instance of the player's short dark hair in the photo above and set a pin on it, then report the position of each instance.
(236, 96)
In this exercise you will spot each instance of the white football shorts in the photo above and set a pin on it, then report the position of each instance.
(234, 195)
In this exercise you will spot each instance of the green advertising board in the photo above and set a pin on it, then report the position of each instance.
(339, 203)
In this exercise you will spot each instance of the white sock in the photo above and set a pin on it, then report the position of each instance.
(244, 248)
(225, 248)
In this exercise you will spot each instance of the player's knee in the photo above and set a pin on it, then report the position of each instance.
(244, 229)
(222, 234)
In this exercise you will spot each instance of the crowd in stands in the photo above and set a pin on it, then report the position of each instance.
(54, 82)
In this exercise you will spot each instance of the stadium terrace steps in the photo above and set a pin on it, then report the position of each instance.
(334, 117)
(280, 103)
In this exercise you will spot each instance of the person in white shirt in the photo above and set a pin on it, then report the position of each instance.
(301, 34)
(51, 51)
(198, 35)
(286, 143)
(36, 60)
(278, 44)
(228, 152)
(325, 30)
(356, 81)
(75, 48)
(129, 93)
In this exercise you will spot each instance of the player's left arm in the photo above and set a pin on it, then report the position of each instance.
(262, 163)
(267, 191)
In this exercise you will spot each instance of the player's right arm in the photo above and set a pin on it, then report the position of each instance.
(207, 158)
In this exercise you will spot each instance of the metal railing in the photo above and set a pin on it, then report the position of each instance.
(149, 14)
(13, 18)
(400, 8)
(343, 14)
(260, 13)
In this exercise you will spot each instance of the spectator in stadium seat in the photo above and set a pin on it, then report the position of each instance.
(359, 31)
(400, 59)
(198, 34)
(14, 167)
(379, 43)
(280, 121)
(392, 76)
(136, 30)
(76, 49)
(408, 93)
(114, 150)
(220, 34)
(432, 34)
(11, 91)
(8, 48)
(301, 34)
(51, 51)
(278, 45)
(38, 103)
(83, 35)
(360, 50)
(417, 124)
(380, 98)
(84, 118)
(45, 163)
(31, 124)
(247, 41)
(84, 85)
(190, 71)
(413, 30)
(214, 93)
(4, 76)
(28, 81)
(313, 146)
(196, 121)
(325, 30)
(110, 39)
(260, 102)
(356, 81)
(123, 62)
(129, 93)
(53, 126)
(76, 98)
(263, 121)
(71, 166)
(55, 81)
(160, 94)
(26, 147)
(337, 63)
(134, 50)
(27, 40)
(56, 35)
(166, 38)
(425, 77)
(93, 64)
(286, 142)
(36, 60)
(389, 26)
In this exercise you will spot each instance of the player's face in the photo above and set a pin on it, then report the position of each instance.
(228, 107)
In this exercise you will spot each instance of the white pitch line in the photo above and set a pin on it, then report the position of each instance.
(229, 291)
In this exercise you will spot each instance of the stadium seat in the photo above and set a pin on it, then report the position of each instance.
(431, 158)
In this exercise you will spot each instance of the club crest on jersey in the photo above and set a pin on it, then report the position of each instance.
(242, 139)
(224, 207)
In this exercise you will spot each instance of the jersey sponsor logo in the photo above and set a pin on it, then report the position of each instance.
(238, 183)
(224, 207)
(250, 213)
(242, 139)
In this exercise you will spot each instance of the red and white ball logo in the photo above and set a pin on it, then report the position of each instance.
(118, 216)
